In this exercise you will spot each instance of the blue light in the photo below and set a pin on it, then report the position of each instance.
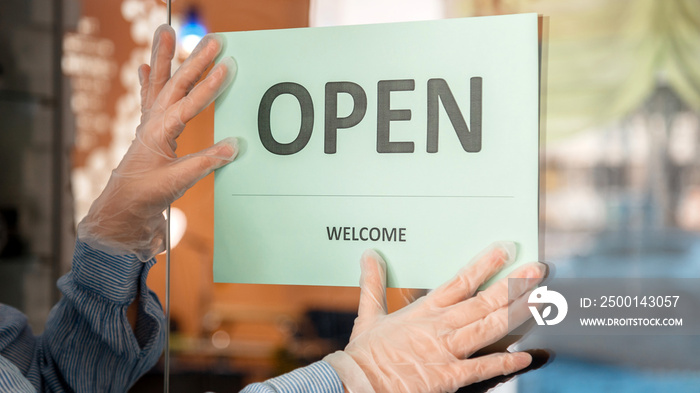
(192, 31)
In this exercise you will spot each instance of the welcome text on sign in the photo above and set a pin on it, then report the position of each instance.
(364, 234)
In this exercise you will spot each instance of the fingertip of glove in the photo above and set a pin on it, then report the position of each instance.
(549, 269)
(231, 69)
(531, 270)
(522, 359)
(162, 29)
(141, 75)
(509, 249)
(370, 255)
(540, 358)
(233, 144)
(544, 270)
(165, 27)
(218, 38)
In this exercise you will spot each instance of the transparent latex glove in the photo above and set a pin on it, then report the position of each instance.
(425, 346)
(127, 218)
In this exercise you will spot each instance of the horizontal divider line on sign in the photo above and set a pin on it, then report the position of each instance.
(372, 196)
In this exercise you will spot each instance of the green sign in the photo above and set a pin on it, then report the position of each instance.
(417, 139)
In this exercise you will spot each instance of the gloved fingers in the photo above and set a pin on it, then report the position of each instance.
(193, 167)
(162, 55)
(519, 311)
(199, 98)
(161, 139)
(496, 296)
(372, 285)
(191, 70)
(540, 358)
(144, 72)
(466, 340)
(485, 367)
(147, 151)
(469, 278)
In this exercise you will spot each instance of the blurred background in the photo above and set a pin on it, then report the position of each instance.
(620, 190)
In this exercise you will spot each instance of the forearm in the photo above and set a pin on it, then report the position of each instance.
(89, 340)
(317, 377)
(17, 343)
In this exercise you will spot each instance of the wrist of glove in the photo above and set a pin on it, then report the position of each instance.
(426, 346)
(349, 372)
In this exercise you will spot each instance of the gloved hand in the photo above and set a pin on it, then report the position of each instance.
(425, 346)
(127, 218)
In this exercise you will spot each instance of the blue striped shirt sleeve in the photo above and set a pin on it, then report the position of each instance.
(12, 380)
(315, 378)
(88, 343)
(106, 355)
